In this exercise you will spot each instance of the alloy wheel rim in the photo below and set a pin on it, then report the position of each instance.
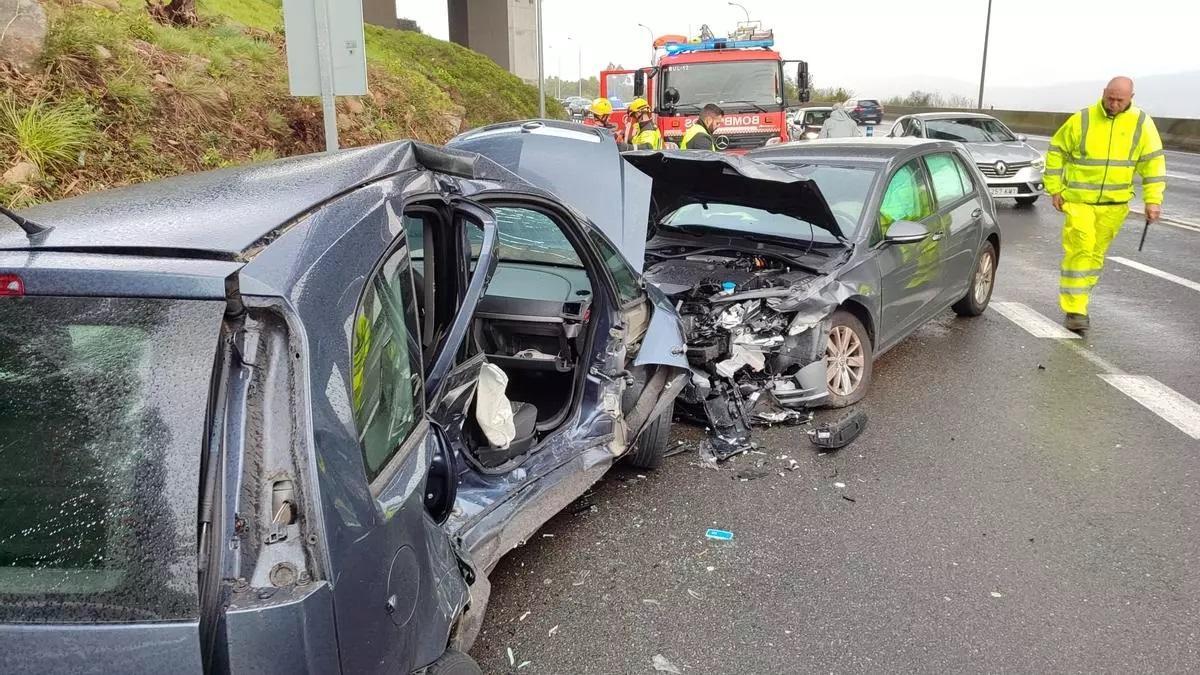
(983, 278)
(845, 361)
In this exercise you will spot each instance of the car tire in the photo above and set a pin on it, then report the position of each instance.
(454, 663)
(651, 446)
(983, 280)
(1027, 201)
(849, 343)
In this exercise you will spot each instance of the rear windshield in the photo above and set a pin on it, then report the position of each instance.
(102, 421)
(868, 101)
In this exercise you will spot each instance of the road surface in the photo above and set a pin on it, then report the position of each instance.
(1020, 502)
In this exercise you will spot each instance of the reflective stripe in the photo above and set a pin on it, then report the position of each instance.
(1052, 172)
(1079, 274)
(1137, 135)
(1154, 179)
(1085, 115)
(1153, 155)
(1055, 148)
(1101, 162)
(1101, 186)
(1073, 291)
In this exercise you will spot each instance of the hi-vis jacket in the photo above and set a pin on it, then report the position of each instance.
(1093, 157)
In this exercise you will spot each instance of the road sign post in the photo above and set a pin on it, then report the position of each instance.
(326, 52)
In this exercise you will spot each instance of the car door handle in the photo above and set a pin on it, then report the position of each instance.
(977, 213)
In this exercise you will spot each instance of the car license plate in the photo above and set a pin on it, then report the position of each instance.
(1003, 191)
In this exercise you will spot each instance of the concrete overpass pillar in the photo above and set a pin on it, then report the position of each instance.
(503, 30)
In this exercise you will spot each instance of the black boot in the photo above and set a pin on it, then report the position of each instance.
(1077, 323)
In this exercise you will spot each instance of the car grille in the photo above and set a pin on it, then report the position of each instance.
(745, 141)
(1012, 168)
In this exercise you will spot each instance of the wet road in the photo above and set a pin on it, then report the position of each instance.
(1017, 504)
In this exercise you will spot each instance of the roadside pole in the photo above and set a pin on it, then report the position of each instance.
(541, 71)
(325, 63)
(326, 54)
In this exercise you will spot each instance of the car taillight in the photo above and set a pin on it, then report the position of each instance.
(11, 285)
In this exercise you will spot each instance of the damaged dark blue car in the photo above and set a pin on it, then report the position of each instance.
(286, 418)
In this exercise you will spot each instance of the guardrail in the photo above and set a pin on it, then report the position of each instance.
(1177, 133)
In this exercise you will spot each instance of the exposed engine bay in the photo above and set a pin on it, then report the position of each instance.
(755, 356)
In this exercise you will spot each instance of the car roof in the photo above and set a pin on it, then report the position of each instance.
(225, 213)
(950, 115)
(861, 150)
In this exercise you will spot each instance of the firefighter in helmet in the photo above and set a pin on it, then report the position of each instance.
(643, 133)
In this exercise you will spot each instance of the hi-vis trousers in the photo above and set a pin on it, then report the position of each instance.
(1089, 229)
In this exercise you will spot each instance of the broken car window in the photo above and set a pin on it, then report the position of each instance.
(102, 426)
(386, 382)
(527, 236)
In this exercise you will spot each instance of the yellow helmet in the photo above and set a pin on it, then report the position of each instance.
(639, 104)
(601, 107)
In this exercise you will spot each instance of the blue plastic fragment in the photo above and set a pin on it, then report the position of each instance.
(719, 535)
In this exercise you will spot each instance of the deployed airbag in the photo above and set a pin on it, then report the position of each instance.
(493, 411)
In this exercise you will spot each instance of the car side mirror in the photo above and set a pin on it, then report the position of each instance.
(639, 83)
(906, 232)
(671, 97)
(1023, 138)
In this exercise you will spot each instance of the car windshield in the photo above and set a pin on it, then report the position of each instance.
(817, 117)
(733, 84)
(527, 236)
(102, 424)
(619, 87)
(845, 190)
(968, 130)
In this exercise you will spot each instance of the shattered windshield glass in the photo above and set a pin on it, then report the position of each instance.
(102, 423)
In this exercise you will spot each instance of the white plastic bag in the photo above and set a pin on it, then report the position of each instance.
(493, 411)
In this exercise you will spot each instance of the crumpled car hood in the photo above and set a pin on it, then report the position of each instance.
(689, 177)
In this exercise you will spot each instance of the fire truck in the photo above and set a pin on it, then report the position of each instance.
(742, 73)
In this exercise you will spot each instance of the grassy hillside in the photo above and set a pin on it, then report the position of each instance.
(122, 99)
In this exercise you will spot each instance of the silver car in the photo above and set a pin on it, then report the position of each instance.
(806, 122)
(1012, 167)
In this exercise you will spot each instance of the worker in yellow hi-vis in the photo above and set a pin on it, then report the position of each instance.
(1089, 175)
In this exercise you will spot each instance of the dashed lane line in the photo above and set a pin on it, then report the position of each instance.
(1173, 407)
(1159, 399)
(1186, 283)
(1035, 324)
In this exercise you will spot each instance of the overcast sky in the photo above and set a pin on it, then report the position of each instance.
(855, 44)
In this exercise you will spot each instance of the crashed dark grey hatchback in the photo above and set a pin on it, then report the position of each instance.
(792, 268)
(287, 418)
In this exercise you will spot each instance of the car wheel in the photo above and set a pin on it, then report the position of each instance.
(1026, 201)
(848, 360)
(983, 280)
(650, 448)
(454, 663)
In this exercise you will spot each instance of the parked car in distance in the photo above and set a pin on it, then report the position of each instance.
(1012, 167)
(576, 106)
(287, 417)
(865, 110)
(806, 123)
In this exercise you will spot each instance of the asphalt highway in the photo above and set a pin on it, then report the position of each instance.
(1021, 501)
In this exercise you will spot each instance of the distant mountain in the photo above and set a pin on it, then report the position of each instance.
(1173, 95)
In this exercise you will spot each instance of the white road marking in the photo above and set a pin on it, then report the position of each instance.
(1173, 407)
(1186, 283)
(1035, 324)
(1160, 399)
(1183, 176)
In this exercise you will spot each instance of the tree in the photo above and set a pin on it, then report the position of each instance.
(173, 12)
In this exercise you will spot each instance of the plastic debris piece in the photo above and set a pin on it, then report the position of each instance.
(839, 433)
(650, 601)
(719, 535)
(793, 465)
(849, 499)
(839, 485)
(512, 661)
(523, 664)
(662, 665)
(695, 595)
(547, 536)
(997, 595)
(523, 616)
(552, 631)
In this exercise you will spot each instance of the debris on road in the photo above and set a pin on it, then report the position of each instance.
(839, 485)
(849, 499)
(662, 665)
(512, 661)
(583, 575)
(523, 617)
(552, 631)
(650, 601)
(839, 433)
(524, 664)
(695, 595)
(997, 595)
(718, 535)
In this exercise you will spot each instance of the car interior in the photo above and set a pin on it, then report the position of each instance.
(531, 322)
